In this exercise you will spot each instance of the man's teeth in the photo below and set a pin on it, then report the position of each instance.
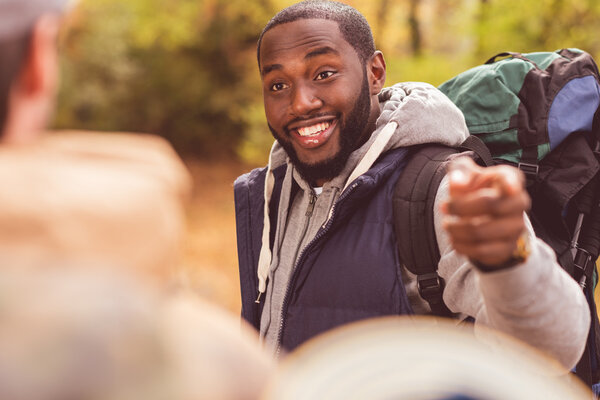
(314, 129)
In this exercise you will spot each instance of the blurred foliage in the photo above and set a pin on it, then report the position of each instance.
(186, 69)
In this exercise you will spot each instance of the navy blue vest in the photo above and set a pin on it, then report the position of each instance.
(350, 271)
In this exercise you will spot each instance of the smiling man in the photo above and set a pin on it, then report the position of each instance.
(316, 242)
(318, 138)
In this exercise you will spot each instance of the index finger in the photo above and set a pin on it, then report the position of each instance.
(507, 179)
(466, 176)
(487, 201)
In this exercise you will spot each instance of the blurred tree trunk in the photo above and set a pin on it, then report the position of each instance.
(482, 19)
(551, 23)
(443, 37)
(415, 29)
(381, 23)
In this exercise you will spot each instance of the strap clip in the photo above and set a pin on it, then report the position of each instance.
(430, 286)
(530, 170)
(582, 262)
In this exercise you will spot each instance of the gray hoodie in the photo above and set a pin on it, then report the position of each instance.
(414, 113)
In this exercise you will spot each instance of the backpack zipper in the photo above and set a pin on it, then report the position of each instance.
(322, 231)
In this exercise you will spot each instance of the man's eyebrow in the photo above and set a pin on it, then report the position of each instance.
(320, 51)
(271, 67)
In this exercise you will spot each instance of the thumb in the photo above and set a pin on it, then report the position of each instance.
(461, 172)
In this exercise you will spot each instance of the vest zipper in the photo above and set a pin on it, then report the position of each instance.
(309, 211)
(322, 231)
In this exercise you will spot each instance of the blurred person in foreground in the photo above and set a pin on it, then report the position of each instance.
(420, 358)
(77, 198)
(93, 334)
(316, 242)
(91, 226)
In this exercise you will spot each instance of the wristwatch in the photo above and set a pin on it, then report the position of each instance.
(518, 256)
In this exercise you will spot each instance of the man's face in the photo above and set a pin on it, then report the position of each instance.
(316, 95)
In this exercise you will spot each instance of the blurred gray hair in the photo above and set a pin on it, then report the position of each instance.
(17, 17)
(97, 333)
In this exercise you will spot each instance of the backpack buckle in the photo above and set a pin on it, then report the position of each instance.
(530, 170)
(582, 262)
(430, 286)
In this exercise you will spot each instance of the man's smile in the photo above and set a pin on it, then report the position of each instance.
(314, 129)
(311, 134)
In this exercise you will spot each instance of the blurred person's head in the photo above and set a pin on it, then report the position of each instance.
(73, 198)
(84, 199)
(93, 334)
(420, 358)
(29, 67)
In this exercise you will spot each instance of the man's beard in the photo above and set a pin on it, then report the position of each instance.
(351, 131)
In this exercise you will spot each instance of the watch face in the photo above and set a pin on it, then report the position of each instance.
(523, 247)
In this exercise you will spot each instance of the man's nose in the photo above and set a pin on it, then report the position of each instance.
(305, 100)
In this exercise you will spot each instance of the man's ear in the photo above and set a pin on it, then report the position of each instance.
(32, 93)
(376, 72)
(39, 73)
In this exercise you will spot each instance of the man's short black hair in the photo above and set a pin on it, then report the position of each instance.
(353, 25)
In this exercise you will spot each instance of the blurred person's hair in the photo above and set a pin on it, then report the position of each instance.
(420, 357)
(94, 334)
(77, 199)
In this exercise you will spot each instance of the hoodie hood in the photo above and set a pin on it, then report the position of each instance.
(423, 115)
(411, 113)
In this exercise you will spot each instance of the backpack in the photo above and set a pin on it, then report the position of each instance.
(540, 113)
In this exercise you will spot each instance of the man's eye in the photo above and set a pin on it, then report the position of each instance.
(276, 87)
(324, 75)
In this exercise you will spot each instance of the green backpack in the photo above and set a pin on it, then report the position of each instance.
(538, 112)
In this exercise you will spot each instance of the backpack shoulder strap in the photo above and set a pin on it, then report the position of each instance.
(413, 208)
(413, 200)
(482, 152)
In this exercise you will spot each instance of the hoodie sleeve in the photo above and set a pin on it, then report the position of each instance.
(536, 301)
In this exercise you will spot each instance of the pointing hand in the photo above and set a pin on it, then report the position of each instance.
(484, 213)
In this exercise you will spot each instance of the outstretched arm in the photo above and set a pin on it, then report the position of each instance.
(524, 293)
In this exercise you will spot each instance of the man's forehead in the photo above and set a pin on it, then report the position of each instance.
(303, 38)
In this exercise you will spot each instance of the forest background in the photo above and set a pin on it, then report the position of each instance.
(186, 70)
